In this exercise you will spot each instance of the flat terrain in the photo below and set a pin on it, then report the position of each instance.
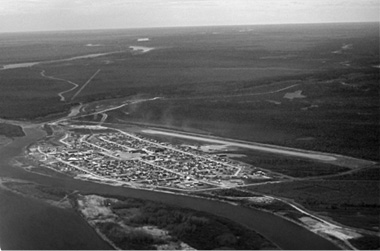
(283, 118)
(333, 195)
(296, 85)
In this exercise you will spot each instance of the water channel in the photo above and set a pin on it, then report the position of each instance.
(30, 64)
(27, 223)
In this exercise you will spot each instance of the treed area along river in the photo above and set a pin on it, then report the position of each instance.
(31, 224)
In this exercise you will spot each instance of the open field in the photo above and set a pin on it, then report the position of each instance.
(294, 167)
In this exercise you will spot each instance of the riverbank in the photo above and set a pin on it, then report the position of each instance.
(253, 219)
(52, 196)
(33, 223)
(330, 230)
(265, 223)
(108, 216)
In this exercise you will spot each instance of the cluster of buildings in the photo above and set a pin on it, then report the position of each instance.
(138, 161)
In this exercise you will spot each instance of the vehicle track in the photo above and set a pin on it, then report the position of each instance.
(85, 84)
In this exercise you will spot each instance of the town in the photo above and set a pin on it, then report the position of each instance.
(137, 161)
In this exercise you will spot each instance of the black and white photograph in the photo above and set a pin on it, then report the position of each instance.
(189, 125)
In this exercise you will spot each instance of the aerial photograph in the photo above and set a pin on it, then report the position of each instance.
(189, 125)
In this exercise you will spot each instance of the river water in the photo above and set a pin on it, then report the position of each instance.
(26, 223)
(30, 64)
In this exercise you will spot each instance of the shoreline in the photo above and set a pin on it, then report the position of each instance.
(63, 204)
(193, 196)
(5, 67)
(74, 206)
(336, 242)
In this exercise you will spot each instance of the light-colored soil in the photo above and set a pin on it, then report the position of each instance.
(262, 200)
(333, 230)
(294, 95)
(214, 148)
(93, 206)
(129, 156)
(96, 209)
(141, 49)
(253, 146)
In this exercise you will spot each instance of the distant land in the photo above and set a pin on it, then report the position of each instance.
(217, 125)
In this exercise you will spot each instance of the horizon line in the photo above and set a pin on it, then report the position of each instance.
(184, 26)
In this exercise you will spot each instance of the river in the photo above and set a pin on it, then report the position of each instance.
(30, 64)
(31, 224)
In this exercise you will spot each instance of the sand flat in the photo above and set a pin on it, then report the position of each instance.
(140, 49)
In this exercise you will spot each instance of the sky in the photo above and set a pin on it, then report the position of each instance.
(43, 15)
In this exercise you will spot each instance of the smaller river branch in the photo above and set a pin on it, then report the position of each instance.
(61, 79)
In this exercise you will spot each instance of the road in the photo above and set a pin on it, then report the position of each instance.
(338, 230)
(253, 146)
(85, 84)
(269, 92)
(150, 163)
(335, 159)
(238, 95)
(104, 117)
(109, 109)
(321, 226)
(324, 226)
(63, 142)
(331, 158)
(180, 151)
